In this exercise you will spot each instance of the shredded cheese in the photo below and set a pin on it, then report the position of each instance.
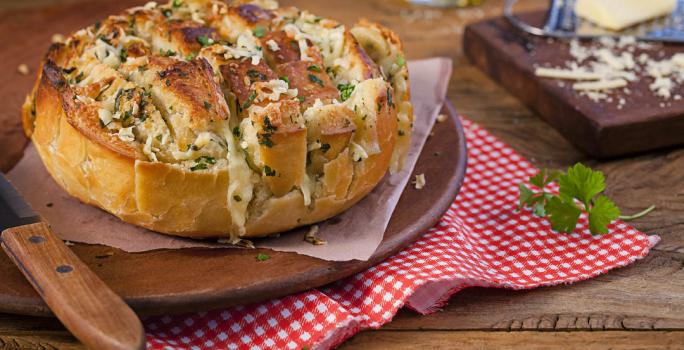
(566, 74)
(600, 85)
(273, 45)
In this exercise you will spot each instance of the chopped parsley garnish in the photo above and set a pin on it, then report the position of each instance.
(285, 79)
(268, 171)
(142, 68)
(250, 99)
(168, 82)
(314, 68)
(206, 159)
(205, 40)
(177, 3)
(262, 257)
(167, 13)
(345, 90)
(236, 131)
(159, 137)
(259, 31)
(237, 198)
(167, 53)
(325, 147)
(68, 70)
(301, 99)
(207, 105)
(105, 39)
(315, 79)
(400, 61)
(203, 162)
(254, 74)
(79, 77)
(191, 56)
(389, 98)
(199, 166)
(265, 139)
(268, 127)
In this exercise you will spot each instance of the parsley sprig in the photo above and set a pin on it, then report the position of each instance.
(580, 191)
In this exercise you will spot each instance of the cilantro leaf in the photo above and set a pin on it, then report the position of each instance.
(563, 214)
(582, 183)
(601, 214)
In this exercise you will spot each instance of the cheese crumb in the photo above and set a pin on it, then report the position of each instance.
(57, 38)
(273, 45)
(419, 182)
(23, 69)
(441, 118)
(126, 134)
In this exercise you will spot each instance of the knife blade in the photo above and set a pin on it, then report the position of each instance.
(14, 210)
(76, 295)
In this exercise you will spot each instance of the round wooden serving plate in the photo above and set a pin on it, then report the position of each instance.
(174, 281)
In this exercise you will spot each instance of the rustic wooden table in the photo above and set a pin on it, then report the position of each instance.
(637, 307)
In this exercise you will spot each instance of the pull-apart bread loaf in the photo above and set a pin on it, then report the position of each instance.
(203, 119)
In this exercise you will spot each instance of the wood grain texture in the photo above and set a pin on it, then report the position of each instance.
(640, 297)
(516, 340)
(81, 301)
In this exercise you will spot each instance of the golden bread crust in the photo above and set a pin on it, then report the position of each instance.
(210, 120)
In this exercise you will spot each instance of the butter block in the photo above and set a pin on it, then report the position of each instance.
(620, 14)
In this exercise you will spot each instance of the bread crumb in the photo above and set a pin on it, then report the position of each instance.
(23, 69)
(310, 236)
(419, 182)
(441, 118)
(57, 38)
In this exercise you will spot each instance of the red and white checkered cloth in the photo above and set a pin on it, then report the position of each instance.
(482, 240)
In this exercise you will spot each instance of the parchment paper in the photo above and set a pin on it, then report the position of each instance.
(354, 234)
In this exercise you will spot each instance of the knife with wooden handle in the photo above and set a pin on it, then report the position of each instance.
(91, 311)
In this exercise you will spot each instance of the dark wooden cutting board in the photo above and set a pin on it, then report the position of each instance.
(509, 56)
(172, 281)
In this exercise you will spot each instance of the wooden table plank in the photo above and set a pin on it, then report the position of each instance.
(518, 340)
(648, 295)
